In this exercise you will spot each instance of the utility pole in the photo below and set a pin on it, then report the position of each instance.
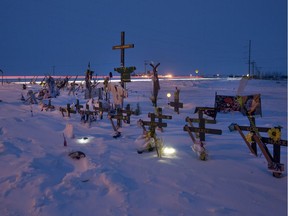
(249, 59)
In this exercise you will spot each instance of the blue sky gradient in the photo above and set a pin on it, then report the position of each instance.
(211, 36)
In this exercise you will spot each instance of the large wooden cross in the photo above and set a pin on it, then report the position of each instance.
(122, 47)
(273, 161)
(124, 71)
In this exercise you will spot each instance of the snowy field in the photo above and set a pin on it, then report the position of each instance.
(39, 178)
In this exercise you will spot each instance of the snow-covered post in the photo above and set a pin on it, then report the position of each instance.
(156, 84)
(51, 85)
(88, 83)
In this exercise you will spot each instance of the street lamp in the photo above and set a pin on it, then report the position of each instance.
(168, 97)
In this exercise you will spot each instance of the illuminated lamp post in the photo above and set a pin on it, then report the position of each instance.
(168, 97)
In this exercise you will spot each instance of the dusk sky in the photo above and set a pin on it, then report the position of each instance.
(211, 36)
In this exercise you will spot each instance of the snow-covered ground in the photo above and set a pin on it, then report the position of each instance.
(39, 178)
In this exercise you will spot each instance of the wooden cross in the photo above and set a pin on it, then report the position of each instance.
(160, 116)
(73, 86)
(122, 47)
(31, 98)
(87, 114)
(128, 113)
(48, 107)
(124, 71)
(273, 161)
(78, 106)
(153, 124)
(156, 84)
(176, 104)
(100, 109)
(201, 129)
(67, 110)
(119, 117)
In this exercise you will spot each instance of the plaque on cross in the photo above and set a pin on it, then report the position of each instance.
(274, 142)
(122, 47)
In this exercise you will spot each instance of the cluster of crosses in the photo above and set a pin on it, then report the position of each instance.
(197, 134)
(118, 113)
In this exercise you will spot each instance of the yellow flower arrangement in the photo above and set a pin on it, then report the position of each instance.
(274, 134)
(249, 137)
